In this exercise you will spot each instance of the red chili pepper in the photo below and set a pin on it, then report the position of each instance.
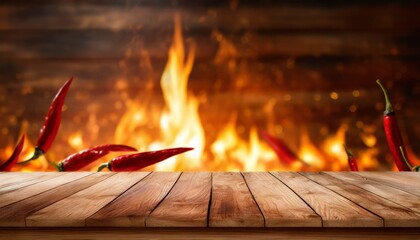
(83, 158)
(51, 124)
(282, 150)
(7, 166)
(393, 135)
(137, 161)
(351, 159)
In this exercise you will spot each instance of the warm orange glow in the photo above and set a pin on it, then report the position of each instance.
(149, 125)
(75, 140)
(333, 147)
(309, 153)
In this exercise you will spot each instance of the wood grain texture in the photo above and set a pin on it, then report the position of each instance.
(13, 181)
(73, 210)
(93, 43)
(398, 180)
(398, 196)
(394, 215)
(14, 215)
(335, 210)
(37, 186)
(132, 207)
(203, 199)
(210, 233)
(232, 205)
(186, 205)
(284, 16)
(280, 206)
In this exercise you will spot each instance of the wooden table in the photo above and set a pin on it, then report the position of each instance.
(201, 203)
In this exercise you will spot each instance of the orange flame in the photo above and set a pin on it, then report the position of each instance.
(147, 126)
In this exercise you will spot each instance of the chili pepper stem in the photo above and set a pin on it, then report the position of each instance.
(405, 159)
(102, 166)
(349, 153)
(58, 167)
(37, 153)
(388, 106)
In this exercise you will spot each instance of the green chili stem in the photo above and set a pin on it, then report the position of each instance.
(102, 166)
(349, 153)
(405, 159)
(37, 153)
(388, 106)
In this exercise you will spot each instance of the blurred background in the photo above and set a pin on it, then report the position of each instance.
(302, 70)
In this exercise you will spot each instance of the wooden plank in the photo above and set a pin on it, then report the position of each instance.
(73, 210)
(24, 181)
(210, 233)
(394, 215)
(15, 179)
(113, 44)
(280, 206)
(187, 203)
(393, 194)
(286, 17)
(14, 215)
(50, 181)
(132, 207)
(34, 73)
(232, 205)
(335, 210)
(398, 180)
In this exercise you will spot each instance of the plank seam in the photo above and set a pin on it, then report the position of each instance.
(29, 213)
(116, 197)
(383, 220)
(322, 220)
(160, 202)
(387, 184)
(253, 197)
(18, 182)
(53, 177)
(386, 199)
(210, 200)
(39, 192)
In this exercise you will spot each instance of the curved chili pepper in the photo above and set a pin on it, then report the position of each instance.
(351, 159)
(7, 166)
(51, 124)
(137, 161)
(282, 150)
(393, 135)
(83, 158)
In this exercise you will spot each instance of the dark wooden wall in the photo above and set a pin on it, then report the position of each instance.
(305, 49)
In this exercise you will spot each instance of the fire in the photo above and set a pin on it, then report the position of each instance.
(333, 147)
(231, 153)
(179, 122)
(309, 153)
(175, 122)
(40, 165)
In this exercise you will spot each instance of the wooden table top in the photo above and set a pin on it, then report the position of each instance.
(205, 199)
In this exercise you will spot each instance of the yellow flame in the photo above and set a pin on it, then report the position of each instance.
(333, 147)
(309, 153)
(147, 125)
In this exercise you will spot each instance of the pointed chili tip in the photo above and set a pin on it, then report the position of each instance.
(388, 105)
(7, 166)
(103, 165)
(348, 152)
